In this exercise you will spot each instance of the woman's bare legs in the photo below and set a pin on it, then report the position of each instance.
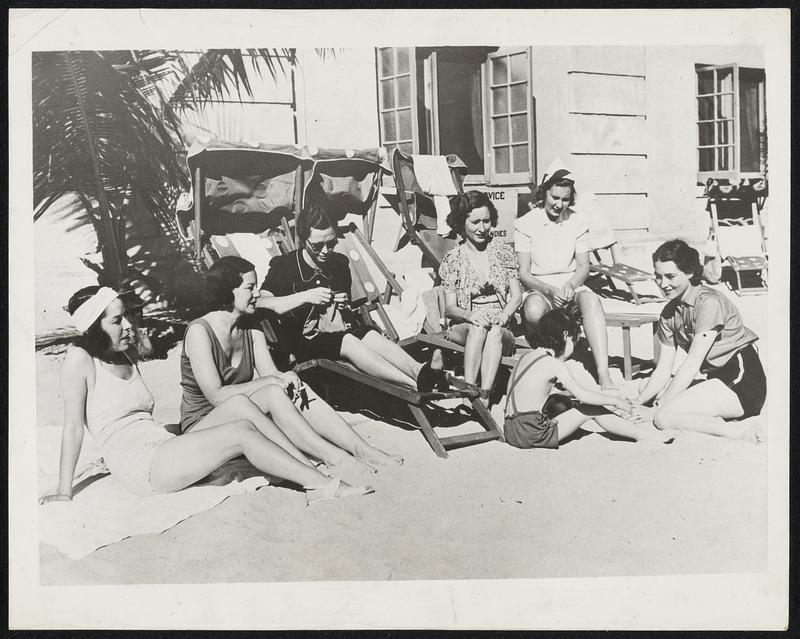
(704, 408)
(273, 399)
(240, 407)
(330, 425)
(594, 326)
(184, 460)
(492, 354)
(393, 354)
(368, 360)
(472, 338)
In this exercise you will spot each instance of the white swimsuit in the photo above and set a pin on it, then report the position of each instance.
(119, 415)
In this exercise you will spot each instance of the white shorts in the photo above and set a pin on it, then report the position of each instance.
(554, 279)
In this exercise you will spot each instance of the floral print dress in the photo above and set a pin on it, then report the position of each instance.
(473, 290)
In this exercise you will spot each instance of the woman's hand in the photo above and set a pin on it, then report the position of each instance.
(479, 318)
(318, 296)
(341, 299)
(643, 413)
(501, 319)
(292, 379)
(54, 497)
(564, 294)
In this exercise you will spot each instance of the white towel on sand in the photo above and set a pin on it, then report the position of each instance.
(104, 512)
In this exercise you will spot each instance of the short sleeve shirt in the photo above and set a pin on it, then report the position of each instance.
(289, 274)
(552, 244)
(702, 309)
(460, 278)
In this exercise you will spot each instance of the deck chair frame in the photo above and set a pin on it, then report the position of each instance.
(741, 263)
(405, 203)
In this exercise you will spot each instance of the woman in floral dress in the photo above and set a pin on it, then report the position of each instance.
(482, 290)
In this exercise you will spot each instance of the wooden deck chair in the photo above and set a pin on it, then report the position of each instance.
(419, 404)
(347, 185)
(418, 208)
(739, 239)
(604, 267)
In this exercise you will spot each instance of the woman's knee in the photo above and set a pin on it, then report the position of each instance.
(665, 418)
(243, 429)
(239, 403)
(477, 333)
(589, 302)
(534, 307)
(494, 334)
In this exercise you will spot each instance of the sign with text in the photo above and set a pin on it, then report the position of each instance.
(505, 201)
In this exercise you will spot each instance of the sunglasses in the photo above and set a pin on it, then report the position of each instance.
(318, 246)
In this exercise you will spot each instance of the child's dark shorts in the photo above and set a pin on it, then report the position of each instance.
(744, 375)
(531, 429)
(329, 345)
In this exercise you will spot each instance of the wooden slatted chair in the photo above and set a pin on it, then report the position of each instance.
(740, 242)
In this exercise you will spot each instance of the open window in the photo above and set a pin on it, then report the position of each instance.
(731, 122)
(474, 102)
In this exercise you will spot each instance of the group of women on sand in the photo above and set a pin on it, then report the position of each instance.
(236, 402)
(486, 281)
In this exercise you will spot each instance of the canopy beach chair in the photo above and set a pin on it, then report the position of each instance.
(246, 199)
(739, 240)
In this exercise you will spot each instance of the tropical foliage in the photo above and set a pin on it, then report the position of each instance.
(106, 128)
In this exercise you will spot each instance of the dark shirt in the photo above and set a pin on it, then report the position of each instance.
(289, 274)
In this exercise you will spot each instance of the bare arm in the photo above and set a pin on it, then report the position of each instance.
(285, 303)
(531, 282)
(660, 377)
(453, 311)
(514, 299)
(587, 395)
(581, 270)
(199, 350)
(265, 365)
(74, 385)
(688, 370)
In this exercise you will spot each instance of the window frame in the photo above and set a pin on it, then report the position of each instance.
(734, 174)
(412, 74)
(511, 178)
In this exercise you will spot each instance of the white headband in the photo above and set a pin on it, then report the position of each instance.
(86, 314)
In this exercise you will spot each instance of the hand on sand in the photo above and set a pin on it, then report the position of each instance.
(54, 497)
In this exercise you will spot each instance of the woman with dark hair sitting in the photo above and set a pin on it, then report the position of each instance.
(223, 357)
(104, 392)
(482, 290)
(310, 287)
(551, 241)
(705, 324)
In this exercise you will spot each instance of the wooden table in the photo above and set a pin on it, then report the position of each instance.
(626, 321)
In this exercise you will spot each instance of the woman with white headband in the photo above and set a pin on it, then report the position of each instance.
(104, 392)
(553, 252)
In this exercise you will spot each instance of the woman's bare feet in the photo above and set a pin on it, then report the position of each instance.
(654, 435)
(335, 489)
(751, 431)
(375, 456)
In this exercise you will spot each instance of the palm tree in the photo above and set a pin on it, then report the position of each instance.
(106, 128)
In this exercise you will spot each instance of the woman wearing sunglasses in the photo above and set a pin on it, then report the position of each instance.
(310, 287)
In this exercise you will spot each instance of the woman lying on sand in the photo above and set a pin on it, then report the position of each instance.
(706, 325)
(530, 409)
(104, 392)
(223, 358)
